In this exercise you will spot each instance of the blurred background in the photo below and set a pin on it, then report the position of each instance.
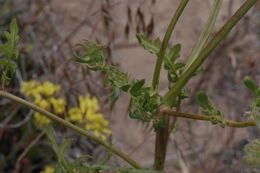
(49, 33)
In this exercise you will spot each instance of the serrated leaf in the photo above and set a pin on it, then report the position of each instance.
(93, 56)
(59, 150)
(203, 99)
(114, 95)
(252, 151)
(136, 87)
(152, 45)
(116, 78)
(174, 52)
(208, 108)
(178, 66)
(171, 57)
(251, 85)
(10, 52)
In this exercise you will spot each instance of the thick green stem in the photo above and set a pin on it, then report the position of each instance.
(174, 91)
(229, 123)
(71, 126)
(162, 134)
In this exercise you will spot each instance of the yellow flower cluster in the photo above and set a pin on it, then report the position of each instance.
(43, 95)
(48, 169)
(87, 114)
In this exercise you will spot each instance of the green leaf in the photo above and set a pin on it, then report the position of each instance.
(251, 85)
(59, 151)
(93, 56)
(216, 116)
(114, 95)
(203, 99)
(252, 151)
(258, 92)
(256, 110)
(10, 52)
(185, 93)
(116, 78)
(171, 57)
(174, 68)
(152, 45)
(178, 66)
(174, 52)
(136, 87)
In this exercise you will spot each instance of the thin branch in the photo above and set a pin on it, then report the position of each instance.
(171, 95)
(27, 149)
(79, 130)
(229, 123)
(165, 42)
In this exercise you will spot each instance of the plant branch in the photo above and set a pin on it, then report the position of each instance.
(27, 149)
(229, 123)
(81, 131)
(162, 134)
(165, 42)
(215, 41)
(205, 34)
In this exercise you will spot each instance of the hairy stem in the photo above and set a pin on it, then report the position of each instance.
(229, 123)
(162, 134)
(57, 119)
(173, 92)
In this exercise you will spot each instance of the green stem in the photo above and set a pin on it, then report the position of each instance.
(165, 42)
(71, 126)
(163, 133)
(173, 92)
(229, 123)
(205, 34)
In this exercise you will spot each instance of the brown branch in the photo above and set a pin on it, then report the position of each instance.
(229, 123)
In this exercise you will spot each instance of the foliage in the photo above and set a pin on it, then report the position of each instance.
(63, 165)
(152, 45)
(145, 101)
(255, 91)
(10, 52)
(216, 116)
(253, 153)
(78, 165)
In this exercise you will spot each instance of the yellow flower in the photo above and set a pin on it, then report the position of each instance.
(28, 87)
(48, 169)
(49, 88)
(87, 103)
(42, 103)
(87, 114)
(75, 115)
(42, 95)
(40, 119)
(58, 104)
